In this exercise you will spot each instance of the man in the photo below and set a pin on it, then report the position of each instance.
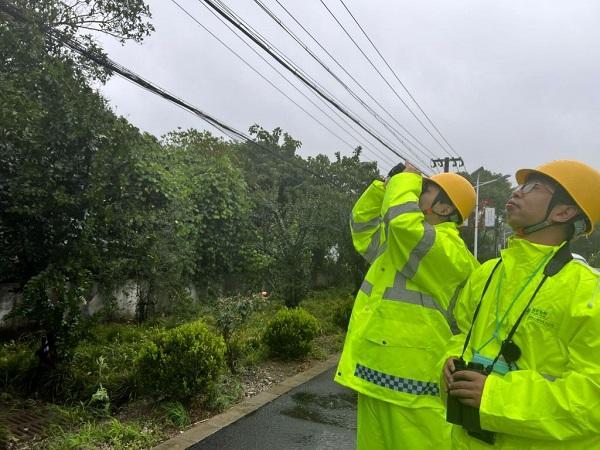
(531, 320)
(407, 229)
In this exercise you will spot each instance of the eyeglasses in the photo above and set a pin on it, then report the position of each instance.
(532, 185)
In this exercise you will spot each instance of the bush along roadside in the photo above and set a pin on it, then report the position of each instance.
(131, 386)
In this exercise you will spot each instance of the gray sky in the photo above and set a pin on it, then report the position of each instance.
(510, 84)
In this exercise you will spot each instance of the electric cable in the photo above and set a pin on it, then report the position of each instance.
(341, 66)
(383, 78)
(397, 78)
(381, 154)
(257, 35)
(303, 78)
(265, 78)
(381, 120)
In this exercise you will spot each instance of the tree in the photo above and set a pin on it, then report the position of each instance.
(301, 210)
(77, 18)
(68, 167)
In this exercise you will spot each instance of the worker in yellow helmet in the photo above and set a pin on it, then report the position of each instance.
(406, 228)
(528, 374)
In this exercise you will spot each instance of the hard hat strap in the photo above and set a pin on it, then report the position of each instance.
(554, 200)
(454, 216)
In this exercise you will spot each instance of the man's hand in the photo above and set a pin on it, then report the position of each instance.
(411, 169)
(467, 386)
(448, 370)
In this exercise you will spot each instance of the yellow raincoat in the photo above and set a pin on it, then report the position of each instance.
(552, 399)
(400, 322)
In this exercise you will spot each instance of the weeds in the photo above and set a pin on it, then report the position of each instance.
(176, 414)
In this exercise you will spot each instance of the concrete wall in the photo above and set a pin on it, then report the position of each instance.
(126, 301)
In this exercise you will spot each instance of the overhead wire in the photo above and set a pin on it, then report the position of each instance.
(257, 35)
(369, 109)
(374, 150)
(281, 60)
(384, 79)
(397, 78)
(265, 78)
(341, 66)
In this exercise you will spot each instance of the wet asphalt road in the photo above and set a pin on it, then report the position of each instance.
(319, 414)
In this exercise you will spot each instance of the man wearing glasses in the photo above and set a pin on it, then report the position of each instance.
(528, 374)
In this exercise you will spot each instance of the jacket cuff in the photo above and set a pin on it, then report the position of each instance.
(491, 402)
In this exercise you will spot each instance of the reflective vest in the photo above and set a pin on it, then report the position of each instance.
(552, 398)
(402, 315)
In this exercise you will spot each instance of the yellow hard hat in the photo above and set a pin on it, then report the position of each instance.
(579, 180)
(459, 190)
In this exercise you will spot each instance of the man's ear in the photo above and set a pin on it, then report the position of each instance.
(563, 213)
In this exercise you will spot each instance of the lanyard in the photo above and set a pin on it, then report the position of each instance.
(509, 350)
(500, 323)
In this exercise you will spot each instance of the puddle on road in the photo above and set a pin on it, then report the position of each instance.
(330, 409)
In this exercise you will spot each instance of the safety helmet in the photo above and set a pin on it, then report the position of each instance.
(459, 190)
(579, 180)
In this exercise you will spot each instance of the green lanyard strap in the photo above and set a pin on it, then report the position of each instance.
(516, 297)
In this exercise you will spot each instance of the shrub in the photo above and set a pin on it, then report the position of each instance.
(290, 333)
(5, 436)
(231, 314)
(342, 313)
(181, 362)
(17, 366)
(117, 346)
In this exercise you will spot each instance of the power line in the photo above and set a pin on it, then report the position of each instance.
(295, 72)
(381, 120)
(257, 35)
(341, 66)
(398, 79)
(251, 30)
(382, 77)
(284, 78)
(262, 76)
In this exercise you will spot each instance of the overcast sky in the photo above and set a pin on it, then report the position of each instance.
(509, 83)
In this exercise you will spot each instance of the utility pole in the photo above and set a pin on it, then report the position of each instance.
(445, 163)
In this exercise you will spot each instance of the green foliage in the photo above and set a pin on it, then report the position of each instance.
(231, 314)
(290, 333)
(176, 414)
(54, 299)
(76, 18)
(181, 362)
(215, 197)
(228, 391)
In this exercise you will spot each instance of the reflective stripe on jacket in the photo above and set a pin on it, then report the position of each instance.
(553, 399)
(399, 326)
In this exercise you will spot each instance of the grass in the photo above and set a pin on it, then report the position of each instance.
(176, 414)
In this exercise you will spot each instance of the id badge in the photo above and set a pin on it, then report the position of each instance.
(501, 367)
